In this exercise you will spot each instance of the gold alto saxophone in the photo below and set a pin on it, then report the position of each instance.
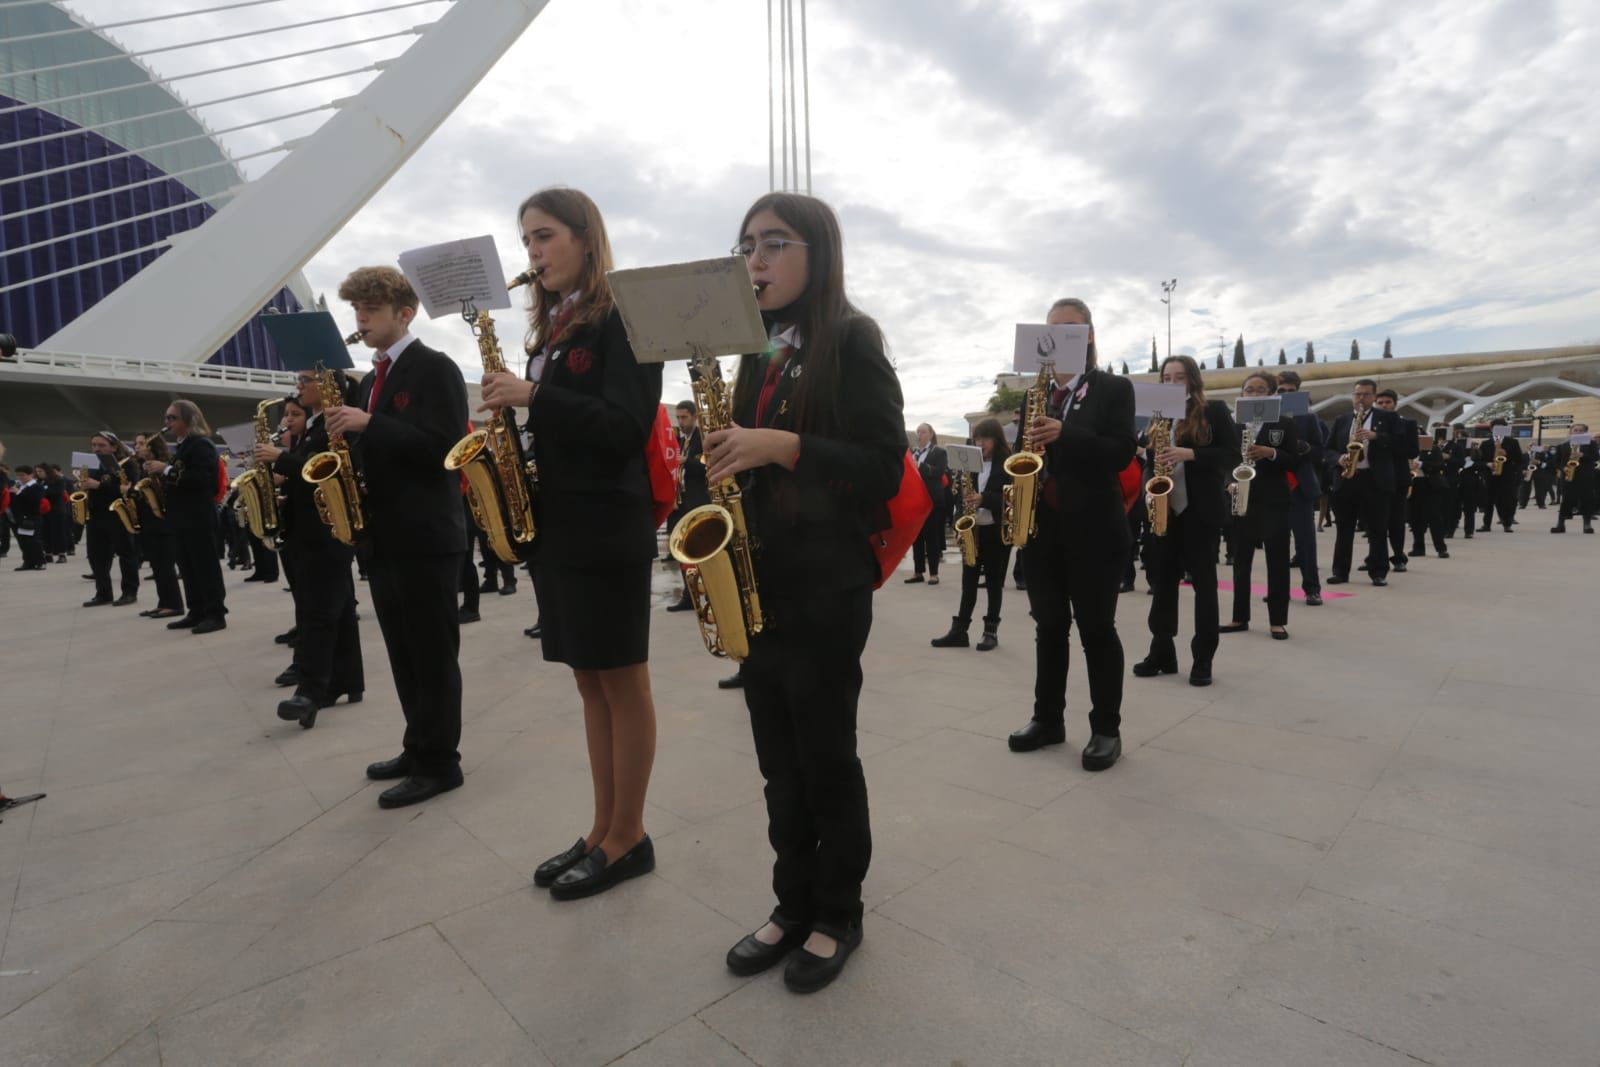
(338, 490)
(1354, 451)
(500, 479)
(1571, 470)
(1021, 514)
(1159, 487)
(256, 500)
(712, 541)
(1499, 456)
(967, 524)
(1245, 472)
(79, 499)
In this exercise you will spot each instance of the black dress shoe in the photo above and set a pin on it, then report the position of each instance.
(1101, 752)
(1125, 587)
(1153, 665)
(732, 681)
(1337, 579)
(807, 973)
(301, 709)
(487, 586)
(415, 789)
(1314, 600)
(290, 676)
(124, 601)
(1364, 567)
(210, 626)
(508, 589)
(1200, 674)
(1442, 554)
(1380, 580)
(1399, 568)
(595, 873)
(96, 602)
(465, 616)
(534, 632)
(684, 604)
(188, 622)
(914, 579)
(398, 767)
(288, 636)
(1280, 635)
(751, 956)
(1036, 735)
(547, 872)
(1233, 628)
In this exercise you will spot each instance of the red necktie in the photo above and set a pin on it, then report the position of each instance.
(770, 384)
(380, 369)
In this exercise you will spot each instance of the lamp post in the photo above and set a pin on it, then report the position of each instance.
(1166, 298)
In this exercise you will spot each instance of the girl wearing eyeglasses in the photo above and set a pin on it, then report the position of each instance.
(1274, 453)
(819, 444)
(590, 412)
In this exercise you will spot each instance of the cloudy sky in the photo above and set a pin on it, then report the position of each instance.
(1320, 171)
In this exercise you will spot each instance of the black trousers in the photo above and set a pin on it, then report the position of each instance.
(802, 683)
(1303, 525)
(327, 650)
(198, 565)
(32, 545)
(5, 533)
(1467, 494)
(1428, 515)
(495, 573)
(1576, 498)
(994, 559)
(1269, 528)
(266, 559)
(161, 552)
(928, 549)
(1064, 587)
(470, 595)
(1501, 499)
(1399, 512)
(107, 539)
(416, 604)
(1356, 499)
(1190, 547)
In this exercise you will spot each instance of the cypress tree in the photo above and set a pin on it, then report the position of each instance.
(1355, 351)
(1155, 360)
(1238, 352)
(1283, 359)
(1388, 353)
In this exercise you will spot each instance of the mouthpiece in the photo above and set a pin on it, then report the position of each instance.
(524, 278)
(355, 337)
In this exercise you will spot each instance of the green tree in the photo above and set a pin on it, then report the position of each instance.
(1238, 352)
(1355, 351)
(1388, 353)
(1311, 353)
(1155, 360)
(1282, 358)
(1005, 400)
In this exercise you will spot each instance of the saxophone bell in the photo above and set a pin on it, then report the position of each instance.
(700, 542)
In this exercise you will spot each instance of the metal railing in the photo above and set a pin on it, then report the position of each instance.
(125, 369)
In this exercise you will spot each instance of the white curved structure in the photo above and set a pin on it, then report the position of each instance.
(214, 278)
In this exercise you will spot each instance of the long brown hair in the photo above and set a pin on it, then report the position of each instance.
(1195, 429)
(574, 210)
(992, 429)
(822, 312)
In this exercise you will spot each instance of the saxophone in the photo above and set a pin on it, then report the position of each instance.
(499, 478)
(1245, 472)
(256, 500)
(1355, 451)
(338, 491)
(1571, 470)
(1159, 487)
(125, 508)
(155, 497)
(967, 524)
(1021, 515)
(79, 499)
(1499, 457)
(712, 541)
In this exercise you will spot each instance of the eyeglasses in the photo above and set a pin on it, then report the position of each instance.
(169, 418)
(306, 379)
(767, 249)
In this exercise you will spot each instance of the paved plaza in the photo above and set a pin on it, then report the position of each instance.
(1375, 844)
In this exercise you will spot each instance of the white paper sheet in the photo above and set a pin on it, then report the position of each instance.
(445, 275)
(967, 458)
(673, 311)
(1157, 398)
(1066, 345)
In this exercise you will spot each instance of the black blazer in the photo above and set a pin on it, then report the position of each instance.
(100, 500)
(992, 496)
(813, 523)
(695, 491)
(192, 483)
(1513, 458)
(1206, 475)
(1097, 443)
(413, 505)
(590, 421)
(305, 530)
(932, 468)
(1584, 476)
(25, 504)
(1385, 425)
(1312, 437)
(1406, 449)
(1270, 487)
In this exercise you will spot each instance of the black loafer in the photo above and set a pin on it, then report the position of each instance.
(914, 579)
(682, 605)
(290, 676)
(1101, 752)
(124, 601)
(416, 789)
(1233, 628)
(595, 873)
(1151, 666)
(535, 631)
(96, 602)
(807, 973)
(1314, 600)
(1036, 735)
(750, 956)
(287, 637)
(1442, 555)
(732, 681)
(465, 616)
(508, 589)
(398, 767)
(547, 872)
(1200, 674)
(1337, 579)
(210, 626)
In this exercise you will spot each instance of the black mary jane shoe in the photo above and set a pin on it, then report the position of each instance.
(547, 872)
(1101, 752)
(1233, 628)
(596, 873)
(415, 789)
(1280, 635)
(751, 956)
(807, 973)
(1036, 735)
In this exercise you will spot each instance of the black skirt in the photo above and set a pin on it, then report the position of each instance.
(595, 618)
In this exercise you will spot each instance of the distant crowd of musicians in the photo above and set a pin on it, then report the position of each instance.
(812, 449)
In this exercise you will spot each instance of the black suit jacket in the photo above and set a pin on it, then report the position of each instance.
(1380, 450)
(1406, 448)
(413, 505)
(25, 504)
(695, 491)
(590, 421)
(1205, 476)
(932, 468)
(813, 523)
(1097, 443)
(108, 474)
(306, 530)
(1270, 487)
(1312, 437)
(1585, 475)
(1513, 465)
(192, 482)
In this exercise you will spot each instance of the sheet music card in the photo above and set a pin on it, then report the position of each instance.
(1295, 403)
(240, 438)
(1066, 345)
(967, 459)
(85, 461)
(1499, 433)
(1155, 398)
(448, 275)
(1257, 409)
(680, 310)
(1579, 440)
